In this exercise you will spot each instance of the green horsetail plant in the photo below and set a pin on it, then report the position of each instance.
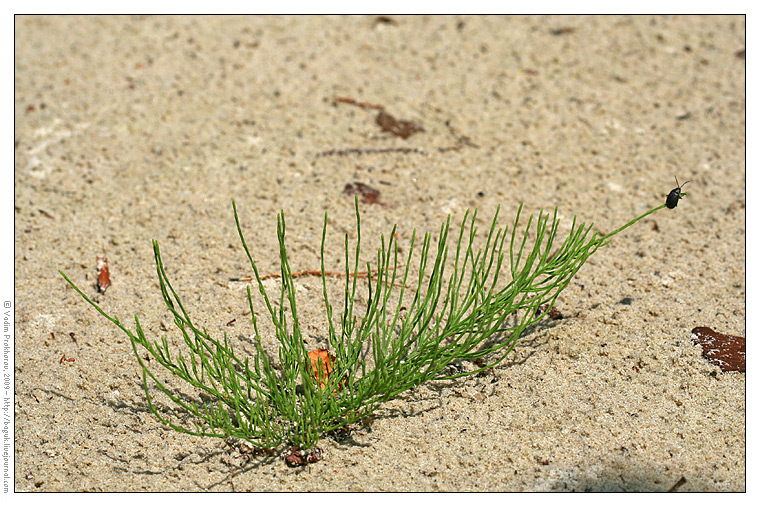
(397, 342)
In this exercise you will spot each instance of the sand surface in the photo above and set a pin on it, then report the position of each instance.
(130, 129)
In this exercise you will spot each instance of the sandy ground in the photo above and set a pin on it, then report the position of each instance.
(130, 129)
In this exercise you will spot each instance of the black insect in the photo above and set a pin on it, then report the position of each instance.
(674, 195)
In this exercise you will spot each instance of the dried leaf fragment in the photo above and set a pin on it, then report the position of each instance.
(724, 351)
(554, 313)
(385, 20)
(678, 484)
(370, 195)
(321, 365)
(295, 456)
(400, 128)
(562, 31)
(104, 277)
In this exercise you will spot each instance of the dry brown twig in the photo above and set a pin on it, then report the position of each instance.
(317, 272)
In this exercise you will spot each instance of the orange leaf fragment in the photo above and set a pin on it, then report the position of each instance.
(321, 359)
(104, 277)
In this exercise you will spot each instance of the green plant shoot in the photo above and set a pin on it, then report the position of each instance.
(476, 311)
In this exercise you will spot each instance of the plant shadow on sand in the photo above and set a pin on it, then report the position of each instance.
(238, 457)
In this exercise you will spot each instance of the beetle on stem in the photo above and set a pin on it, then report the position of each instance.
(674, 195)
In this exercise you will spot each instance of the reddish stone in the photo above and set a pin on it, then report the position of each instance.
(724, 351)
